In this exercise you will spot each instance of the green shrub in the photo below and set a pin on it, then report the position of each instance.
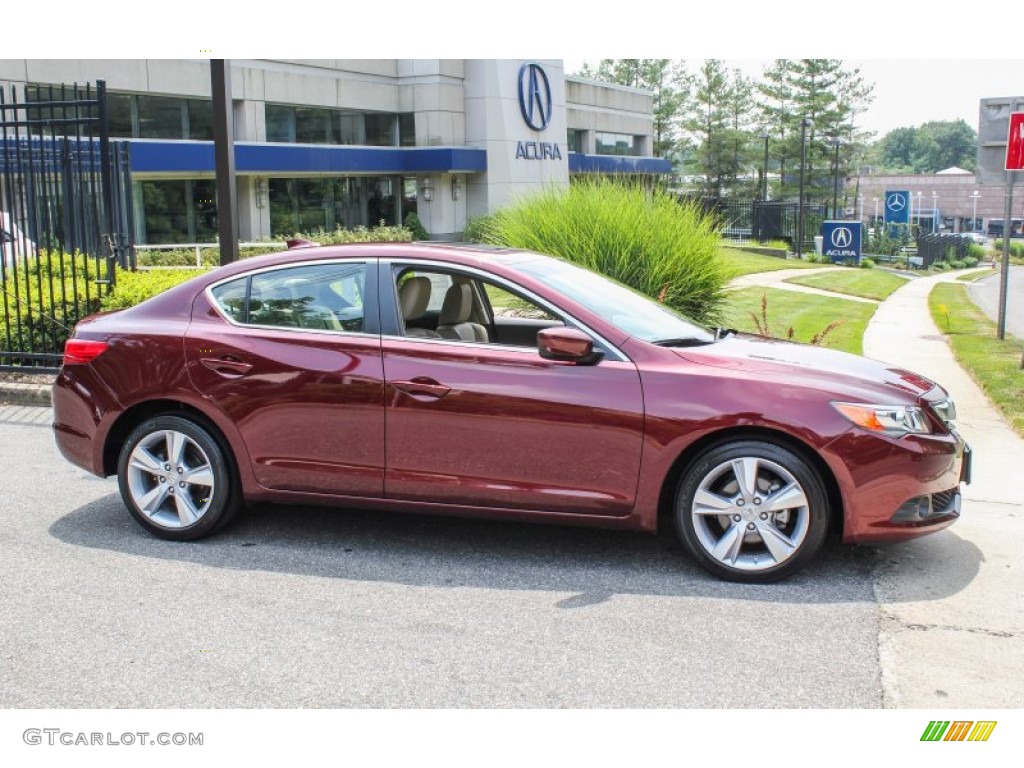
(977, 251)
(1016, 247)
(940, 266)
(210, 255)
(477, 229)
(647, 240)
(37, 321)
(957, 264)
(970, 262)
(415, 227)
(867, 264)
(132, 288)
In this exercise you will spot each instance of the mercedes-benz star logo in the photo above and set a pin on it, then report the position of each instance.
(896, 202)
(842, 237)
(534, 96)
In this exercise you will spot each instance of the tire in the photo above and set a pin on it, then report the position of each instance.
(176, 480)
(751, 511)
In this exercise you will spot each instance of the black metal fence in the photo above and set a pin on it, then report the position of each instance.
(932, 248)
(66, 216)
(764, 221)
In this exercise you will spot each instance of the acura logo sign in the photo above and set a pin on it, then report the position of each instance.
(841, 237)
(534, 96)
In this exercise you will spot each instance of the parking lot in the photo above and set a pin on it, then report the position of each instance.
(301, 607)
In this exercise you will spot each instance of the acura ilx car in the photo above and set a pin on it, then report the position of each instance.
(497, 383)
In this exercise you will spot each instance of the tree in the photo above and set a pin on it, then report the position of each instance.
(665, 78)
(832, 96)
(933, 147)
(709, 124)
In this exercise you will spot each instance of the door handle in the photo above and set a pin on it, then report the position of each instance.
(227, 366)
(422, 387)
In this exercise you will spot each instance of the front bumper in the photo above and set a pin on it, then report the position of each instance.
(898, 488)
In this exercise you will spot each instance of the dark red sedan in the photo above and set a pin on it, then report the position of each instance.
(444, 379)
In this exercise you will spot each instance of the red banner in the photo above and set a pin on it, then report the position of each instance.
(1015, 143)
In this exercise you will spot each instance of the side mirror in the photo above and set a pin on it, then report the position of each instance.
(567, 345)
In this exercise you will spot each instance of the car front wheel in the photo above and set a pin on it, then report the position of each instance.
(175, 479)
(751, 511)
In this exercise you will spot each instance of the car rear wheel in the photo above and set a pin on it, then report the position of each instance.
(751, 511)
(176, 480)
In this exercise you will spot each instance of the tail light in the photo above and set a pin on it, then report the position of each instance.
(82, 351)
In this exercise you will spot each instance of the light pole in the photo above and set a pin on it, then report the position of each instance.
(836, 142)
(805, 123)
(935, 212)
(920, 207)
(764, 172)
(974, 211)
(875, 222)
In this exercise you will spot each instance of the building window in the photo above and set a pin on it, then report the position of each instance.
(311, 205)
(307, 125)
(575, 140)
(200, 119)
(121, 115)
(407, 129)
(615, 144)
(312, 126)
(280, 123)
(381, 130)
(177, 211)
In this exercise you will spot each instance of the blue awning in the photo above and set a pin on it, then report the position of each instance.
(581, 163)
(284, 159)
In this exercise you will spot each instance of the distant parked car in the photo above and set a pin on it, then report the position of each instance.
(500, 384)
(16, 244)
(975, 237)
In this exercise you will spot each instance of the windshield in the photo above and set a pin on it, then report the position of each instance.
(629, 311)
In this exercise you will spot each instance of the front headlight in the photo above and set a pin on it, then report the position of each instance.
(895, 420)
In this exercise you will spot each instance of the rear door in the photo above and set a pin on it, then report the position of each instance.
(293, 356)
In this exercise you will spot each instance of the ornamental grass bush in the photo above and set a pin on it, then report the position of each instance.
(646, 240)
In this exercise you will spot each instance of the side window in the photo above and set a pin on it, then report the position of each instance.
(461, 306)
(506, 304)
(230, 297)
(326, 297)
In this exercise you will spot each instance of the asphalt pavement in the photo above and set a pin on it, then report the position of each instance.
(985, 293)
(303, 607)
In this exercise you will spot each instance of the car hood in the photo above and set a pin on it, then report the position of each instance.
(841, 372)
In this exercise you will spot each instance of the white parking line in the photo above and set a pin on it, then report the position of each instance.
(23, 414)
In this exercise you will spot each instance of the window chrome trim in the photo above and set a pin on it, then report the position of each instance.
(504, 282)
(276, 268)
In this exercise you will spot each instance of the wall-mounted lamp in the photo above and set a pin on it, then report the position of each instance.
(456, 187)
(427, 189)
(261, 193)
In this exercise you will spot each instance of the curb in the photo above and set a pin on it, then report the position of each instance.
(25, 394)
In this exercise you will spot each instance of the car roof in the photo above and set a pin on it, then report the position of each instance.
(467, 254)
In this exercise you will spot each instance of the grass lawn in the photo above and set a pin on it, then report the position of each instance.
(970, 277)
(866, 283)
(993, 364)
(806, 313)
(740, 263)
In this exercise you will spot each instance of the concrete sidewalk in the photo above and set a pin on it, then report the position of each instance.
(966, 648)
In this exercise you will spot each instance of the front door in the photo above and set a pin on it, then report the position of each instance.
(486, 424)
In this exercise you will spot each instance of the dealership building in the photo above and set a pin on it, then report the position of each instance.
(332, 143)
